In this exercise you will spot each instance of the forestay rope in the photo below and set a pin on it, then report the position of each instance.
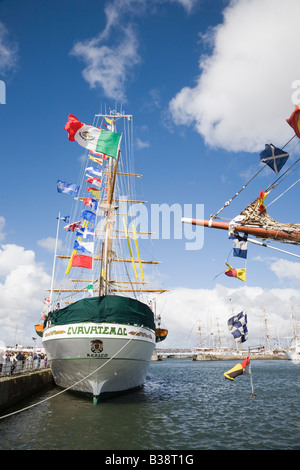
(272, 186)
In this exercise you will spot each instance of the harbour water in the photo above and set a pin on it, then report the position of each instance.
(184, 405)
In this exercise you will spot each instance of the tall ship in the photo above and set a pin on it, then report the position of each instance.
(293, 351)
(99, 329)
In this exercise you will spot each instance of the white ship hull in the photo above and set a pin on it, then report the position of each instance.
(99, 358)
(293, 354)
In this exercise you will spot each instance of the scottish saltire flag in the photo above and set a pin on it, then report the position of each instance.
(88, 215)
(240, 245)
(274, 157)
(68, 188)
(240, 369)
(86, 233)
(84, 246)
(237, 326)
(92, 138)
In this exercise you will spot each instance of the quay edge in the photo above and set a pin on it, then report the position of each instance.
(14, 389)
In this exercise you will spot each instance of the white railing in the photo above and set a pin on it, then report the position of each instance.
(18, 367)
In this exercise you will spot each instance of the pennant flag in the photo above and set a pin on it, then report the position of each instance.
(95, 181)
(240, 245)
(129, 117)
(94, 171)
(84, 247)
(105, 157)
(93, 138)
(88, 215)
(64, 187)
(82, 261)
(86, 233)
(238, 273)
(92, 203)
(108, 126)
(294, 120)
(239, 369)
(97, 160)
(261, 206)
(237, 326)
(94, 191)
(73, 227)
(274, 157)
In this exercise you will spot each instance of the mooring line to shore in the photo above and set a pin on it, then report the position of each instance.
(71, 386)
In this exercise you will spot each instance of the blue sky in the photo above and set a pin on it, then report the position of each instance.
(206, 91)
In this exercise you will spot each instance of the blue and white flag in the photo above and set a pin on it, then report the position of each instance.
(83, 246)
(68, 188)
(88, 215)
(94, 171)
(240, 245)
(237, 326)
(65, 218)
(86, 233)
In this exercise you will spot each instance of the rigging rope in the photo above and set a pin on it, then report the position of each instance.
(272, 186)
(236, 194)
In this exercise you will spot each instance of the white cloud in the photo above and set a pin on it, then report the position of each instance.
(11, 256)
(183, 310)
(49, 244)
(244, 92)
(140, 144)
(8, 51)
(22, 291)
(110, 66)
(286, 269)
(107, 66)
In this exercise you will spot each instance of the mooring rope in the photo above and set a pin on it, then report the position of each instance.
(71, 386)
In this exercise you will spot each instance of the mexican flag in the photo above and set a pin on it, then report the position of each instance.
(92, 138)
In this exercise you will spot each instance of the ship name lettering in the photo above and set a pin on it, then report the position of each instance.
(97, 330)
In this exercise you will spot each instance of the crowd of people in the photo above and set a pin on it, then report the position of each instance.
(14, 361)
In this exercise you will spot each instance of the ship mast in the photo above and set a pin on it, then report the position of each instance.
(106, 245)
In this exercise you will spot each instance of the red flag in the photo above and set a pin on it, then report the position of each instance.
(82, 261)
(73, 227)
(72, 126)
(261, 206)
(95, 181)
(294, 120)
(88, 201)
